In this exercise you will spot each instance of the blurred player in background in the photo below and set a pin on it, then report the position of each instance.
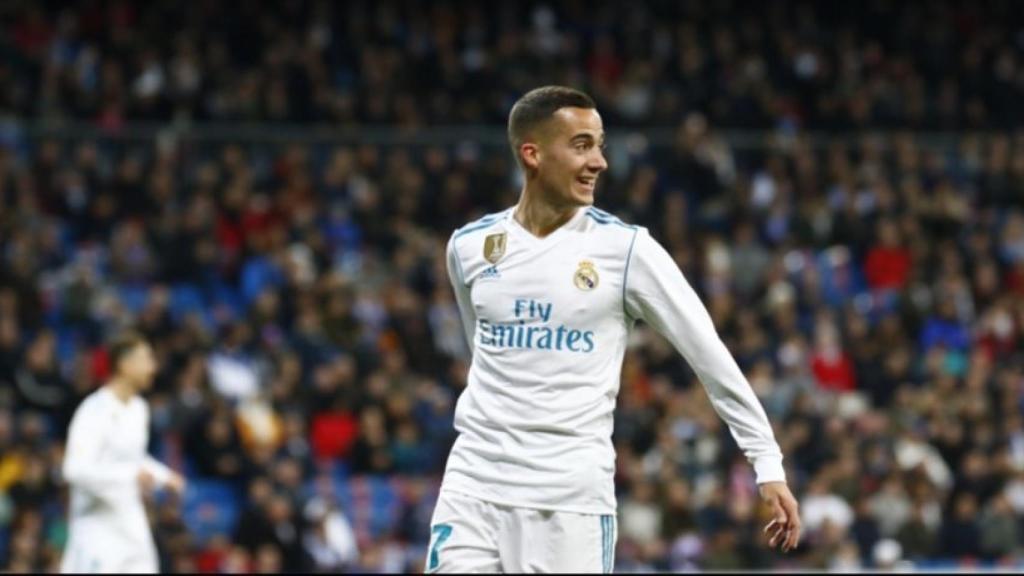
(548, 291)
(109, 471)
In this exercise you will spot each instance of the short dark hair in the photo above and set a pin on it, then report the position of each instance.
(537, 106)
(122, 345)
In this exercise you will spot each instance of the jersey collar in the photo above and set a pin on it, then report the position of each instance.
(516, 228)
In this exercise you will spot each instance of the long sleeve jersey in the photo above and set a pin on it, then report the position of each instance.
(547, 320)
(106, 450)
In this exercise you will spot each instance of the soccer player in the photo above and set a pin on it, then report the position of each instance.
(107, 466)
(548, 291)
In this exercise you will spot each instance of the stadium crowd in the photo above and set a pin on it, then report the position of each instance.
(923, 65)
(871, 286)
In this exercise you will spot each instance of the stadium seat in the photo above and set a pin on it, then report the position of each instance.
(185, 299)
(133, 297)
(210, 507)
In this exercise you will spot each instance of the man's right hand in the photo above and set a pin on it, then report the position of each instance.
(176, 483)
(146, 481)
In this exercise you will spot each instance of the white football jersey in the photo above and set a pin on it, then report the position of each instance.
(548, 320)
(108, 528)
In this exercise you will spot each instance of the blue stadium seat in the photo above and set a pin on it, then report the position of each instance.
(343, 492)
(185, 299)
(210, 507)
(133, 297)
(384, 504)
(227, 296)
(340, 471)
(257, 274)
(68, 340)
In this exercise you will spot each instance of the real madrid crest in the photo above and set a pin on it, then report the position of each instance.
(494, 247)
(585, 277)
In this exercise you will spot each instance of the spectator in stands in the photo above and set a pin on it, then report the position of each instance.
(329, 540)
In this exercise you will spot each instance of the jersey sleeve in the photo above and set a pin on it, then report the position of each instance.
(83, 463)
(657, 292)
(161, 473)
(462, 296)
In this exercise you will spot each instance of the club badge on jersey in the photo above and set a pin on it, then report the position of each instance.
(494, 247)
(585, 277)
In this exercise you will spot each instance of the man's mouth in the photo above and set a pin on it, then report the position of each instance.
(587, 182)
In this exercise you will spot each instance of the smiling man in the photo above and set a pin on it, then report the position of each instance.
(548, 291)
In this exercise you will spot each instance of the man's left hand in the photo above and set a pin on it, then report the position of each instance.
(784, 529)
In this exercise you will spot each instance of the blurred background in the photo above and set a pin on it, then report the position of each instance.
(265, 190)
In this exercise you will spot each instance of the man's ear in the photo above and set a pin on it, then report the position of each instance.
(530, 153)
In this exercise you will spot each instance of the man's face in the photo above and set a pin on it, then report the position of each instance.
(569, 157)
(139, 366)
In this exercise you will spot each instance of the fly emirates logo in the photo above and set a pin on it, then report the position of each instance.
(525, 333)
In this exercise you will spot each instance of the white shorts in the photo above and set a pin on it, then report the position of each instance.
(471, 535)
(89, 557)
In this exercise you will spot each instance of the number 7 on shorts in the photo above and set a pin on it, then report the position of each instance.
(441, 532)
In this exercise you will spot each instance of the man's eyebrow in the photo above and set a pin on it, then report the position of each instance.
(583, 136)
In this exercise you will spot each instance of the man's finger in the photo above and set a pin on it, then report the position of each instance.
(776, 529)
(781, 517)
(791, 541)
(793, 527)
(776, 535)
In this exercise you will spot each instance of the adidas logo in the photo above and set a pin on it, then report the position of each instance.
(489, 273)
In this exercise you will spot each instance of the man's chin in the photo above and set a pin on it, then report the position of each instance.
(583, 199)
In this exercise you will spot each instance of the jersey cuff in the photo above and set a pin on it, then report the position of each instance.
(769, 469)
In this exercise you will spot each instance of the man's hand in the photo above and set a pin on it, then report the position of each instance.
(146, 481)
(176, 483)
(784, 529)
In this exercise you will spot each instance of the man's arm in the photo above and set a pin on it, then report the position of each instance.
(160, 473)
(658, 293)
(462, 296)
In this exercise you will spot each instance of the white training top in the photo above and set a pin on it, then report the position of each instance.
(106, 449)
(548, 319)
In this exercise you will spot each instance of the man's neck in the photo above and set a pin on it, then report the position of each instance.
(541, 218)
(121, 389)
